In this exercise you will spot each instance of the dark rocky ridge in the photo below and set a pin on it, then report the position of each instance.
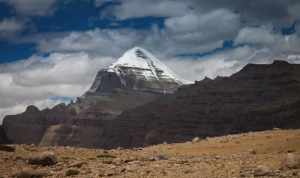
(259, 97)
(3, 138)
(77, 124)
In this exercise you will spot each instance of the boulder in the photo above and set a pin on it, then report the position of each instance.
(43, 159)
(7, 148)
(31, 173)
(292, 161)
(72, 172)
(195, 140)
(262, 170)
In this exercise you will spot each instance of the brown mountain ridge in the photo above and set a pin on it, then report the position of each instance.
(259, 97)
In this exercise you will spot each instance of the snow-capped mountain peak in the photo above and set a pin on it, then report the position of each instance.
(140, 58)
(137, 69)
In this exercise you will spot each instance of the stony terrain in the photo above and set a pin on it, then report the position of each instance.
(274, 154)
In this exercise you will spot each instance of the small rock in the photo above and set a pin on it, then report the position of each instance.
(195, 140)
(262, 171)
(106, 155)
(292, 161)
(78, 164)
(131, 168)
(291, 151)
(107, 162)
(119, 148)
(110, 173)
(30, 173)
(160, 157)
(44, 159)
(72, 172)
(118, 161)
(295, 173)
(252, 151)
(7, 148)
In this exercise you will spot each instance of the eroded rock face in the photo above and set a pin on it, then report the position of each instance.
(259, 97)
(3, 138)
(29, 127)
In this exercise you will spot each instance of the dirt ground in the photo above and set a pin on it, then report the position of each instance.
(258, 154)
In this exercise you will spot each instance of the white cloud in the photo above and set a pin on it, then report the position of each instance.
(215, 19)
(294, 10)
(256, 35)
(36, 79)
(193, 26)
(207, 30)
(220, 64)
(32, 7)
(103, 42)
(154, 8)
(254, 12)
(262, 37)
(10, 26)
(225, 63)
(98, 3)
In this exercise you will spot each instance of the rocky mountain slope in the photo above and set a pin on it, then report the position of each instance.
(117, 113)
(3, 138)
(259, 97)
(137, 70)
(133, 80)
(252, 155)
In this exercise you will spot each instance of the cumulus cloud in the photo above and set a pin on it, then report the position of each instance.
(198, 29)
(265, 37)
(294, 10)
(10, 26)
(254, 11)
(254, 35)
(155, 8)
(102, 42)
(32, 7)
(190, 27)
(220, 64)
(99, 3)
(208, 33)
(37, 79)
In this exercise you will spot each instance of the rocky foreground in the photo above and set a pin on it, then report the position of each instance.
(273, 153)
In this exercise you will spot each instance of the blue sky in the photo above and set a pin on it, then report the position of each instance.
(82, 15)
(51, 50)
(68, 16)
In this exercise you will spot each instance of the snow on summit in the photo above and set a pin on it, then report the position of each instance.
(141, 59)
(136, 69)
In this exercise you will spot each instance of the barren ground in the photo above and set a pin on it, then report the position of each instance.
(230, 156)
